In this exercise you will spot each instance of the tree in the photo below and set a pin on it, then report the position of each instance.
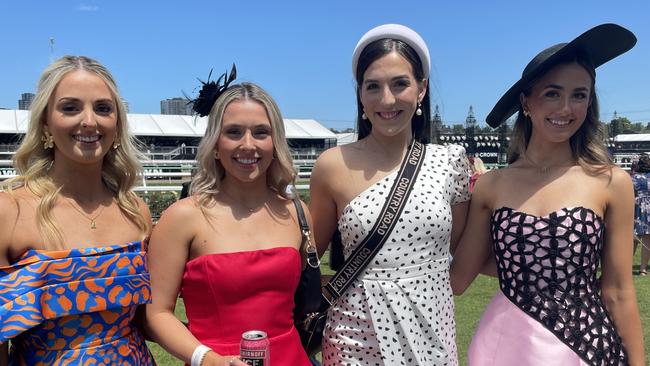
(621, 125)
(624, 125)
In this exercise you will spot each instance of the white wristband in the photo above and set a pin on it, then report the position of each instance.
(199, 354)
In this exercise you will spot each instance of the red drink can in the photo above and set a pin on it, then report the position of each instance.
(254, 348)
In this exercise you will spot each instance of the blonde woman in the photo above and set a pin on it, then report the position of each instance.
(72, 268)
(232, 247)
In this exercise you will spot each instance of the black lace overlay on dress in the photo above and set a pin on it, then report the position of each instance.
(547, 266)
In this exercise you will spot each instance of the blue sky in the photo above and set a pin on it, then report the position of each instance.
(300, 50)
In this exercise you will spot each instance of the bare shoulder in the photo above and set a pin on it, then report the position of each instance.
(493, 185)
(342, 158)
(620, 176)
(485, 185)
(327, 167)
(494, 179)
(11, 203)
(143, 208)
(328, 161)
(9, 207)
(9, 212)
(7, 202)
(618, 181)
(184, 209)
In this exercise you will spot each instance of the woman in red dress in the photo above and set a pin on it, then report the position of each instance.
(232, 248)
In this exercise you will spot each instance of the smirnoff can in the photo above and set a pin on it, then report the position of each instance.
(254, 348)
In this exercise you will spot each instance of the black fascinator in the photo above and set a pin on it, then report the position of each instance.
(211, 90)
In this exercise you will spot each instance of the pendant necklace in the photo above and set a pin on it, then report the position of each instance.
(93, 222)
(249, 209)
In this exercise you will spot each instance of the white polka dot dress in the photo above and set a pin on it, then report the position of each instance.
(400, 310)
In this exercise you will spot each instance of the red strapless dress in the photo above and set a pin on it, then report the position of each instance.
(228, 294)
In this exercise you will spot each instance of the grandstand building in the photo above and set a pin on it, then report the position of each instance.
(628, 147)
(169, 144)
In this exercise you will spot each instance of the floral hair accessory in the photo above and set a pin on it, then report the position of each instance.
(211, 90)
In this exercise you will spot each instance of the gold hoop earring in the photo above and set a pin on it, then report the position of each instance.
(48, 139)
(116, 144)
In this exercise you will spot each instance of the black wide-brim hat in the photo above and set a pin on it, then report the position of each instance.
(601, 44)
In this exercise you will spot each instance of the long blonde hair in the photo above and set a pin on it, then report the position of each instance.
(587, 144)
(32, 161)
(210, 172)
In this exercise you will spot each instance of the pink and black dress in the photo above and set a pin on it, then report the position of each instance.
(549, 310)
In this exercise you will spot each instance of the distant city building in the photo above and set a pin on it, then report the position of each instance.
(178, 106)
(126, 105)
(436, 125)
(25, 101)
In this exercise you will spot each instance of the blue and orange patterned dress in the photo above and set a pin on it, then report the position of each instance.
(75, 306)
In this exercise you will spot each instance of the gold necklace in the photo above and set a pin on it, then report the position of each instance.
(249, 209)
(93, 222)
(541, 169)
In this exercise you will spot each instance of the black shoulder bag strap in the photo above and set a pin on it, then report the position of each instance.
(384, 224)
(310, 249)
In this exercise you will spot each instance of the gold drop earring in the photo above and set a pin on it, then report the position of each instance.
(48, 139)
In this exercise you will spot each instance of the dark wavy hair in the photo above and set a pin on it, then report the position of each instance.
(420, 125)
(587, 144)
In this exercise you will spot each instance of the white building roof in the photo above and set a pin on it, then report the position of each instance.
(306, 129)
(632, 137)
(15, 122)
(345, 138)
(12, 121)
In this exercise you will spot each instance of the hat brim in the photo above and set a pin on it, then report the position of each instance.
(601, 44)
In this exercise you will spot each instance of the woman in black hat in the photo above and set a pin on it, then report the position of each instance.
(546, 215)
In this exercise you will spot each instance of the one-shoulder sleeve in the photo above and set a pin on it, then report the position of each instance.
(459, 174)
(43, 285)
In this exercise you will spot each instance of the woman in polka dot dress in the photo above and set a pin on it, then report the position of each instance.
(399, 310)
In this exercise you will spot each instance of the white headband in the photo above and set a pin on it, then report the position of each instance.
(394, 31)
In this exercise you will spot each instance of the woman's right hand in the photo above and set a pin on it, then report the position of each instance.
(214, 359)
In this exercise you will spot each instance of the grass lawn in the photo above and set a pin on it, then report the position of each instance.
(469, 308)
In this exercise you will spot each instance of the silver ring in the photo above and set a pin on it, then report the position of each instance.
(232, 361)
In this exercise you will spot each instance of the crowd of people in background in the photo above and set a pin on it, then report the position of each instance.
(640, 172)
(86, 278)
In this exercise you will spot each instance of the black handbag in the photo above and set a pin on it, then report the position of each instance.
(310, 313)
(308, 297)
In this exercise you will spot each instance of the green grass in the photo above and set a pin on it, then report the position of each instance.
(469, 308)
